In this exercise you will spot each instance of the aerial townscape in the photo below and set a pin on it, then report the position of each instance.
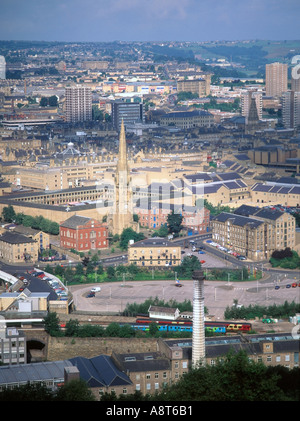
(149, 216)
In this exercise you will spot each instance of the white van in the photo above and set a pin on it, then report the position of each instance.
(96, 289)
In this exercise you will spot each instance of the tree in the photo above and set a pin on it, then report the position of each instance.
(153, 329)
(75, 390)
(44, 102)
(113, 329)
(28, 221)
(100, 270)
(127, 235)
(52, 324)
(28, 392)
(85, 261)
(9, 214)
(59, 270)
(110, 272)
(234, 378)
(161, 232)
(188, 265)
(53, 102)
(174, 222)
(72, 327)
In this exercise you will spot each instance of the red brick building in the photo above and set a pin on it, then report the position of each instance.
(156, 215)
(83, 234)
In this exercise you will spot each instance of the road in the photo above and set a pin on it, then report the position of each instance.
(114, 296)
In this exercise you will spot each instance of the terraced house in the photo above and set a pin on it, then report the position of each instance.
(253, 232)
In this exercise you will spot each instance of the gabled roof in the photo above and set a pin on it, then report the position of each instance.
(100, 371)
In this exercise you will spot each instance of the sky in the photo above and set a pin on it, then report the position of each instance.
(149, 20)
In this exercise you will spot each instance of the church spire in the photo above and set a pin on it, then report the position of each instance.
(122, 161)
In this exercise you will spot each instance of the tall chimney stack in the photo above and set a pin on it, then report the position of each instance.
(198, 341)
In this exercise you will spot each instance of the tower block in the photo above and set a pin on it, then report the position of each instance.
(122, 217)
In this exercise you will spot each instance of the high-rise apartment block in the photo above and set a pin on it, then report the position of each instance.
(78, 104)
(2, 68)
(128, 112)
(246, 101)
(276, 79)
(291, 109)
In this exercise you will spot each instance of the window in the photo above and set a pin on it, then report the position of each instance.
(138, 387)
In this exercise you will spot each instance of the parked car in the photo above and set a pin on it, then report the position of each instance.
(91, 294)
(241, 257)
(96, 289)
(277, 287)
(288, 286)
(294, 285)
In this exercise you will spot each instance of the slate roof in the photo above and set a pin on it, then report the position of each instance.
(74, 221)
(277, 188)
(198, 177)
(228, 176)
(15, 238)
(246, 210)
(148, 361)
(269, 214)
(100, 371)
(238, 220)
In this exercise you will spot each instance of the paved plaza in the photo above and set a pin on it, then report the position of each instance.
(114, 296)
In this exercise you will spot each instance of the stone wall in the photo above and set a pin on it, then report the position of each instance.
(65, 348)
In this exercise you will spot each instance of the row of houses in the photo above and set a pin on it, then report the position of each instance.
(250, 231)
(149, 372)
(254, 232)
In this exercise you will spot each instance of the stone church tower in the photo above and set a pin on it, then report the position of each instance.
(122, 217)
(253, 119)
